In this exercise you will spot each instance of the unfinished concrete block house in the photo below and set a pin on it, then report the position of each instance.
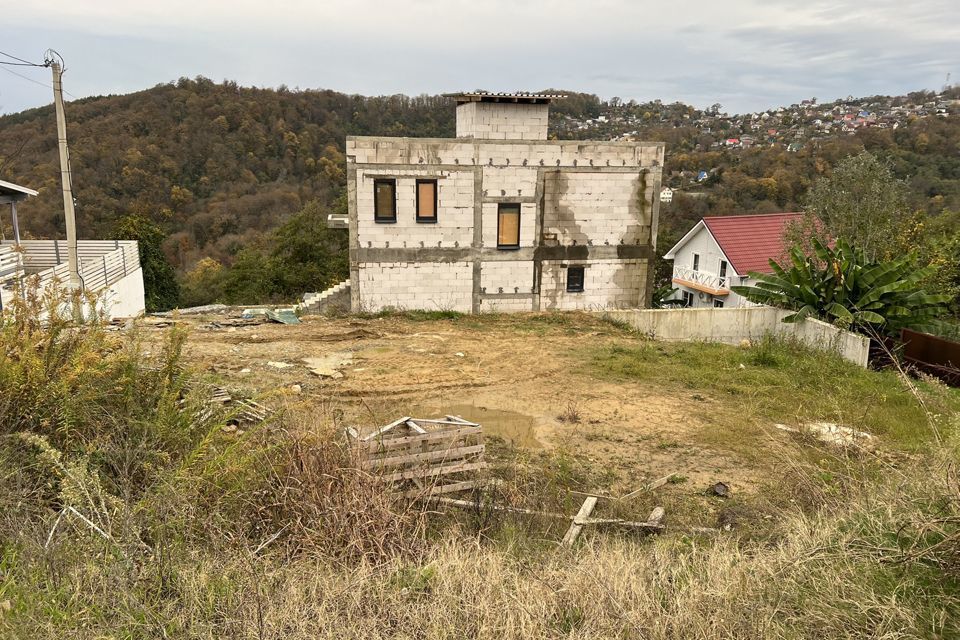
(500, 218)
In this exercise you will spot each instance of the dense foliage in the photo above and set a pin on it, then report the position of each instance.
(844, 286)
(219, 167)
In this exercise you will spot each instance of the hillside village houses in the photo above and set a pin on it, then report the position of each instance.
(500, 218)
(108, 268)
(719, 253)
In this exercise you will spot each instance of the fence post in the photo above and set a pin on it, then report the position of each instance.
(105, 278)
(123, 256)
(56, 250)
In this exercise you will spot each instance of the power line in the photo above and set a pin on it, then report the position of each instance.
(37, 82)
(25, 63)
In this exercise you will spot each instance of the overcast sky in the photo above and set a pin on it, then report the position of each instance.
(745, 54)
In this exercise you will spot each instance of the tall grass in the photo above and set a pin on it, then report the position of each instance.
(127, 511)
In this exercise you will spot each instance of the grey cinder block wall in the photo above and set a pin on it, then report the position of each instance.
(433, 220)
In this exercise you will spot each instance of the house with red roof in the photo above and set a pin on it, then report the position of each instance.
(720, 251)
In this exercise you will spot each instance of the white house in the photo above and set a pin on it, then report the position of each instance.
(666, 195)
(719, 252)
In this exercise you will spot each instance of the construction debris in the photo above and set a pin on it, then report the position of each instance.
(279, 365)
(329, 366)
(424, 457)
(283, 316)
(831, 433)
(242, 411)
(720, 489)
(193, 311)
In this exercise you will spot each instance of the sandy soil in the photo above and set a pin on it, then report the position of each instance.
(531, 386)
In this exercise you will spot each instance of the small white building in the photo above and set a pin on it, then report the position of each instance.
(666, 195)
(108, 268)
(719, 252)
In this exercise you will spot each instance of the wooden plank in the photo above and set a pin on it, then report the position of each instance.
(393, 443)
(441, 470)
(656, 516)
(577, 526)
(420, 447)
(439, 489)
(441, 454)
(413, 425)
(656, 484)
(460, 420)
(385, 428)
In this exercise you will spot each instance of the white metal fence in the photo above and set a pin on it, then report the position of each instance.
(102, 262)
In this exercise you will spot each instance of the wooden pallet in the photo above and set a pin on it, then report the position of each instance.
(424, 457)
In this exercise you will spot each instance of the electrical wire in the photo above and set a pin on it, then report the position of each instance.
(21, 61)
(42, 84)
(38, 82)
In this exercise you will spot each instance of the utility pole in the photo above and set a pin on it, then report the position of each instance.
(73, 281)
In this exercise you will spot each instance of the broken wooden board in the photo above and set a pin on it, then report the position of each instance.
(578, 521)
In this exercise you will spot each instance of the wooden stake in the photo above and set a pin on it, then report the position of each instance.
(577, 526)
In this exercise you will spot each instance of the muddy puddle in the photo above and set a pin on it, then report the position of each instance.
(516, 428)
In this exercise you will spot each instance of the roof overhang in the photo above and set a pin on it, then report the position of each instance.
(10, 192)
(513, 98)
(670, 255)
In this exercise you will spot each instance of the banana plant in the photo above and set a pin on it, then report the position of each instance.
(840, 285)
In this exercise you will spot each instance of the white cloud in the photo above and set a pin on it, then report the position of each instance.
(746, 54)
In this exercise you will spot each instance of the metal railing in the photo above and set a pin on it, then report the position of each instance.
(102, 262)
(709, 280)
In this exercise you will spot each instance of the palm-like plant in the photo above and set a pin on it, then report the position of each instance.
(839, 284)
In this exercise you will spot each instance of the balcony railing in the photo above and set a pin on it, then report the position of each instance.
(702, 281)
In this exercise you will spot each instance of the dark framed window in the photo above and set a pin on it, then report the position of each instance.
(426, 200)
(385, 200)
(508, 225)
(717, 304)
(723, 268)
(575, 279)
(687, 298)
(696, 262)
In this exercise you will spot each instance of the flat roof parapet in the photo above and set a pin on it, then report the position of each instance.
(516, 98)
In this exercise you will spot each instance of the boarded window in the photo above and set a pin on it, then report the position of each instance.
(508, 225)
(426, 200)
(385, 200)
(574, 279)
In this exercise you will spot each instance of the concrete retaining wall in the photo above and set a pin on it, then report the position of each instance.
(730, 326)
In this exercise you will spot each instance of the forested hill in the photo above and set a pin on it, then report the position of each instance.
(216, 165)
(218, 168)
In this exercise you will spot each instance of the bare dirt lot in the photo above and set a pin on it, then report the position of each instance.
(527, 379)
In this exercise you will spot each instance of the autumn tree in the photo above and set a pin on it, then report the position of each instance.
(863, 203)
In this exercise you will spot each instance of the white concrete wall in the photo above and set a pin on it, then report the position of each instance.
(454, 225)
(730, 326)
(502, 121)
(506, 276)
(603, 196)
(124, 298)
(439, 286)
(597, 207)
(607, 284)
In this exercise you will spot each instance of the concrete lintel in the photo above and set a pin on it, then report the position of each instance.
(499, 199)
(484, 141)
(423, 170)
(416, 254)
(604, 252)
(507, 296)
